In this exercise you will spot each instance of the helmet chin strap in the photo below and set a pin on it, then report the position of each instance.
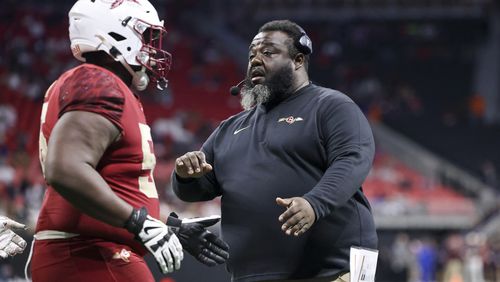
(140, 79)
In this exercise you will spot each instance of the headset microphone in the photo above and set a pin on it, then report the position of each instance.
(235, 90)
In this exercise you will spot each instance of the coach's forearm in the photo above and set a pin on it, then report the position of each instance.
(192, 189)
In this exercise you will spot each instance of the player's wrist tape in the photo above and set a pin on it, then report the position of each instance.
(136, 220)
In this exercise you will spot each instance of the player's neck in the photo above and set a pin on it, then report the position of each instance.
(119, 71)
(105, 61)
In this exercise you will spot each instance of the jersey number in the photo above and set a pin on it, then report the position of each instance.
(147, 183)
(42, 142)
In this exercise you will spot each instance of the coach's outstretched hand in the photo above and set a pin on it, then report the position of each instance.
(202, 244)
(10, 243)
(158, 238)
(298, 217)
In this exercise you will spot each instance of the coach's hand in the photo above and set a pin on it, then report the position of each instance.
(298, 217)
(202, 244)
(192, 164)
(10, 243)
(157, 238)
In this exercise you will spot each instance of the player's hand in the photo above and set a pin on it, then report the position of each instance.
(157, 238)
(202, 244)
(11, 244)
(192, 165)
(298, 217)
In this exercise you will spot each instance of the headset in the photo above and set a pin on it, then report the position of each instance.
(304, 44)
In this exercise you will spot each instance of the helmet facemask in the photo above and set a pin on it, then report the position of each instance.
(152, 56)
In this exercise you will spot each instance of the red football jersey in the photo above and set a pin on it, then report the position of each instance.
(127, 165)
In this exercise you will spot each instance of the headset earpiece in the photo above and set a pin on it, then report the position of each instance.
(304, 43)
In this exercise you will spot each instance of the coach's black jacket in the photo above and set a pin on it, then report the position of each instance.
(316, 144)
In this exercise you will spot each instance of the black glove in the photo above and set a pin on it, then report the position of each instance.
(202, 244)
(158, 238)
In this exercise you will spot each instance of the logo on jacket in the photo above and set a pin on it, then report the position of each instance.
(240, 129)
(290, 119)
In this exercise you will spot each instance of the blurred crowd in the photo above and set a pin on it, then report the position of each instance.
(454, 257)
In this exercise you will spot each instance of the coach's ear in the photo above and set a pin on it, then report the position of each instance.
(299, 61)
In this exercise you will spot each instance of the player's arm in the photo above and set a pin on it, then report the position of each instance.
(77, 143)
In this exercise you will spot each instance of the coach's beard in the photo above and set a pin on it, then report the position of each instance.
(252, 96)
(274, 90)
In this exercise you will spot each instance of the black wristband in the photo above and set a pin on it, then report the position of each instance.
(136, 220)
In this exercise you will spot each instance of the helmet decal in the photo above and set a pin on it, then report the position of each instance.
(119, 2)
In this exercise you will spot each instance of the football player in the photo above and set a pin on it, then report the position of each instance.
(100, 213)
